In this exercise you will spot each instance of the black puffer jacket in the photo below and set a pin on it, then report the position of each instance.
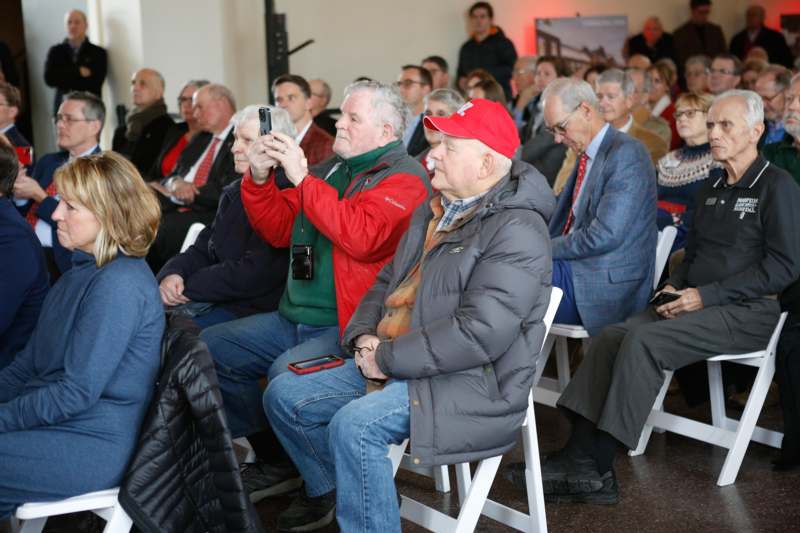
(476, 325)
(184, 476)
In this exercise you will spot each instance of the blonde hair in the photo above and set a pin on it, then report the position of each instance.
(111, 188)
(695, 100)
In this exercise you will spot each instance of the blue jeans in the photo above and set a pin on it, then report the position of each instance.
(338, 438)
(217, 315)
(250, 348)
(567, 312)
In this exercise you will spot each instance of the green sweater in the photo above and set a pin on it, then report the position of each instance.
(313, 302)
(785, 155)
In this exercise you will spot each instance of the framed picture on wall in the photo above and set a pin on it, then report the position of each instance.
(583, 41)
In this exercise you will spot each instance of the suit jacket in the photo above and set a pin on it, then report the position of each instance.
(63, 73)
(145, 150)
(687, 43)
(418, 142)
(221, 174)
(612, 245)
(326, 121)
(654, 144)
(171, 136)
(317, 144)
(43, 173)
(16, 137)
(770, 40)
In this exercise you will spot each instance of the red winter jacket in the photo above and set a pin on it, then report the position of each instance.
(364, 227)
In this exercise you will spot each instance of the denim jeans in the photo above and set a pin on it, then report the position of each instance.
(250, 348)
(338, 437)
(217, 315)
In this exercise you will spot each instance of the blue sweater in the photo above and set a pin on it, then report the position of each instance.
(23, 281)
(92, 365)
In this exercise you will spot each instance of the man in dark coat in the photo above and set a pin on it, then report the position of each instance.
(141, 137)
(756, 34)
(698, 35)
(75, 64)
(487, 48)
(453, 339)
(652, 42)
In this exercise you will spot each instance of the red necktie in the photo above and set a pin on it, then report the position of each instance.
(31, 216)
(576, 190)
(201, 177)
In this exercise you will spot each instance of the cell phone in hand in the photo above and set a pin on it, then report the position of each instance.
(315, 364)
(664, 298)
(265, 120)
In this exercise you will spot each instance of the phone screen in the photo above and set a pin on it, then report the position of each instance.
(265, 119)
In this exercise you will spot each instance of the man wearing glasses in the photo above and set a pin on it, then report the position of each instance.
(726, 74)
(604, 227)
(770, 86)
(414, 84)
(78, 124)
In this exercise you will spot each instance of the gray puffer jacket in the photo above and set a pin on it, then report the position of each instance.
(477, 328)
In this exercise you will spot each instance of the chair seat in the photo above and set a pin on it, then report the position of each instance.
(726, 357)
(570, 331)
(85, 502)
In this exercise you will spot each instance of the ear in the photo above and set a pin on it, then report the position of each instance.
(488, 165)
(96, 126)
(757, 131)
(14, 113)
(387, 131)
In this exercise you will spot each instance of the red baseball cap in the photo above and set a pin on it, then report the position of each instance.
(483, 120)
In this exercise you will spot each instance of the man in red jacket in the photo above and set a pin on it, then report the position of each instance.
(343, 220)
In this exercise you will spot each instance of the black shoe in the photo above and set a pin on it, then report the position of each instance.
(308, 514)
(568, 472)
(608, 494)
(262, 480)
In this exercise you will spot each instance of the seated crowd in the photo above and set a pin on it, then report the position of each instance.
(414, 236)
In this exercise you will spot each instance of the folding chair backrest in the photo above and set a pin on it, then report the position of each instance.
(191, 235)
(665, 239)
(552, 307)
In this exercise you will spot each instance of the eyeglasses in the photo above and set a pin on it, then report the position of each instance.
(407, 84)
(722, 71)
(688, 113)
(561, 127)
(68, 120)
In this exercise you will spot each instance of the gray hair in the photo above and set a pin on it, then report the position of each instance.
(218, 91)
(448, 97)
(781, 76)
(387, 105)
(753, 103)
(572, 92)
(646, 84)
(699, 58)
(93, 106)
(615, 75)
(194, 83)
(281, 122)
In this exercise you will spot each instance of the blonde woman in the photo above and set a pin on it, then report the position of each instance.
(72, 400)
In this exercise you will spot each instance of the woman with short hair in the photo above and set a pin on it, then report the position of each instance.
(72, 400)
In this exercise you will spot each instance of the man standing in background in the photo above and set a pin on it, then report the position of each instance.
(75, 64)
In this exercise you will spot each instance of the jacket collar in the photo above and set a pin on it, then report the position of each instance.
(751, 176)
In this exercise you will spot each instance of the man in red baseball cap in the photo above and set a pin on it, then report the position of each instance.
(442, 340)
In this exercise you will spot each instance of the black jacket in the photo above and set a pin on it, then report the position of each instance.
(146, 149)
(418, 143)
(221, 174)
(229, 264)
(770, 40)
(496, 54)
(184, 476)
(663, 48)
(63, 73)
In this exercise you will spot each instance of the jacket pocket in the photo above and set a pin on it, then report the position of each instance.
(490, 379)
(627, 273)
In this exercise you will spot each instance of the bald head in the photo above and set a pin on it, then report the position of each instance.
(652, 31)
(147, 87)
(214, 106)
(75, 22)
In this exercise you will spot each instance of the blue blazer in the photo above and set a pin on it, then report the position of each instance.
(43, 173)
(612, 246)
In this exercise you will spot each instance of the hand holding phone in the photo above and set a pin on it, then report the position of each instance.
(315, 364)
(664, 298)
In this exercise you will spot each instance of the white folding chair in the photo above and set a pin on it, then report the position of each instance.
(735, 435)
(191, 235)
(31, 517)
(473, 491)
(547, 391)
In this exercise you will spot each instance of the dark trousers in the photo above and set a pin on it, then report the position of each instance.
(618, 381)
(787, 374)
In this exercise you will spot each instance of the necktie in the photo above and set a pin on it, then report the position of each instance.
(31, 216)
(201, 177)
(576, 190)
